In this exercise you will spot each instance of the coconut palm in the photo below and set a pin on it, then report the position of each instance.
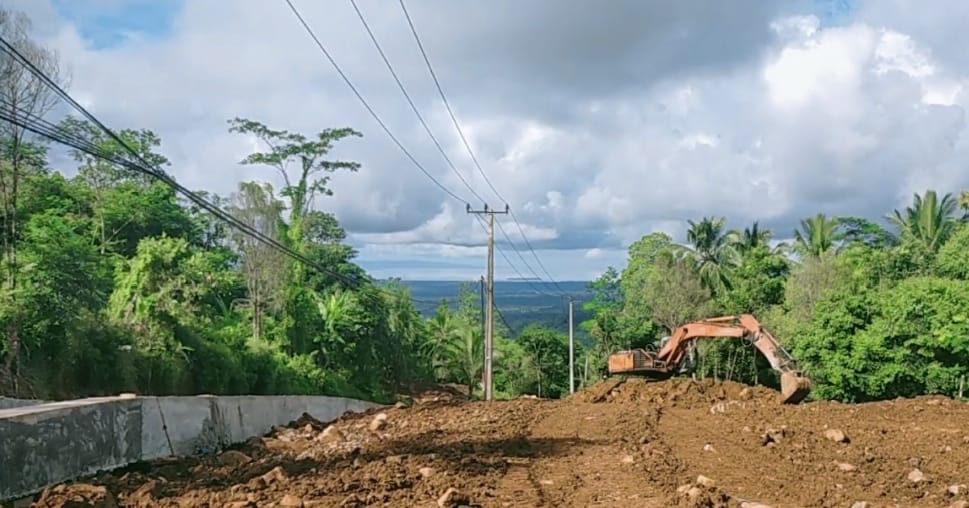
(714, 251)
(929, 222)
(817, 235)
(752, 237)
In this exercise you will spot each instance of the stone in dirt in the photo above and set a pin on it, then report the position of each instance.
(330, 434)
(452, 497)
(836, 435)
(275, 475)
(290, 501)
(234, 458)
(379, 421)
(916, 476)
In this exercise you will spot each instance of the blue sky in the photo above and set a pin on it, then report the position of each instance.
(109, 23)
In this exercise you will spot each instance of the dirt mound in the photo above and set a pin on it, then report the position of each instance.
(676, 392)
(76, 496)
(676, 443)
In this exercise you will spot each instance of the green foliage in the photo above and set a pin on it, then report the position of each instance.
(869, 315)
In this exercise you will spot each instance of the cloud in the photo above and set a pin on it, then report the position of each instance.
(597, 125)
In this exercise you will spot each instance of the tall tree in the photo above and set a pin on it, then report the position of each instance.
(105, 178)
(676, 293)
(752, 237)
(265, 266)
(23, 95)
(714, 250)
(858, 230)
(313, 168)
(817, 235)
(928, 223)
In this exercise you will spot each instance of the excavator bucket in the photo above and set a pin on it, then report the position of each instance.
(794, 387)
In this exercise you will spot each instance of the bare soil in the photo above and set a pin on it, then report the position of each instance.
(636, 443)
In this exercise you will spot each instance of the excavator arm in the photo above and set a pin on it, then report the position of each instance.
(667, 361)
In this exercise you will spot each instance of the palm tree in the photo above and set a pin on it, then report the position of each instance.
(752, 237)
(928, 222)
(817, 235)
(714, 251)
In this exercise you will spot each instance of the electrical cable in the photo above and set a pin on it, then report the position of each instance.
(410, 101)
(427, 128)
(366, 105)
(54, 133)
(467, 145)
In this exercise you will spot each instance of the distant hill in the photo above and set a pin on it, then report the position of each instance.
(521, 302)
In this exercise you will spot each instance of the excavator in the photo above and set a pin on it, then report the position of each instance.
(674, 349)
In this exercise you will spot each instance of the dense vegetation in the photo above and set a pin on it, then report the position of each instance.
(870, 312)
(111, 282)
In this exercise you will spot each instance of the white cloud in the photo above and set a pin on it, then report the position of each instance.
(597, 125)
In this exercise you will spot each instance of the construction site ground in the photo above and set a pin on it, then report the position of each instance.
(633, 443)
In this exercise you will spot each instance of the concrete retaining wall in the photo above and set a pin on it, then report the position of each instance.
(45, 444)
(8, 403)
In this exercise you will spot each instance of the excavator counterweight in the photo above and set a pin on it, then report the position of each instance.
(668, 360)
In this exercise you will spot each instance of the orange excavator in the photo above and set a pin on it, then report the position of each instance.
(794, 386)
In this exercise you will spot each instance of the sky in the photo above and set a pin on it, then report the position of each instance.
(597, 123)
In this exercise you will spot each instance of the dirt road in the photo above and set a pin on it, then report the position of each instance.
(674, 443)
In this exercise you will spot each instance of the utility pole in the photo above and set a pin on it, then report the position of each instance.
(482, 306)
(490, 290)
(571, 350)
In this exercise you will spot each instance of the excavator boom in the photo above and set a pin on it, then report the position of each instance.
(794, 386)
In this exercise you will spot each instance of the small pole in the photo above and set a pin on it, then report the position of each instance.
(571, 351)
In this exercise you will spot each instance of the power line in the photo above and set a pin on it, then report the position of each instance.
(427, 129)
(48, 130)
(413, 106)
(467, 145)
(366, 105)
(403, 90)
(512, 265)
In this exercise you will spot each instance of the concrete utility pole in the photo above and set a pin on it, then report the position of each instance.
(490, 290)
(571, 350)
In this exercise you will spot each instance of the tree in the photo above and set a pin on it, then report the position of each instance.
(548, 352)
(714, 251)
(606, 306)
(265, 266)
(752, 237)
(309, 154)
(928, 223)
(758, 282)
(24, 95)
(676, 293)
(859, 230)
(817, 235)
(103, 177)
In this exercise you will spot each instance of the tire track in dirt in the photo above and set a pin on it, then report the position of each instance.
(604, 465)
